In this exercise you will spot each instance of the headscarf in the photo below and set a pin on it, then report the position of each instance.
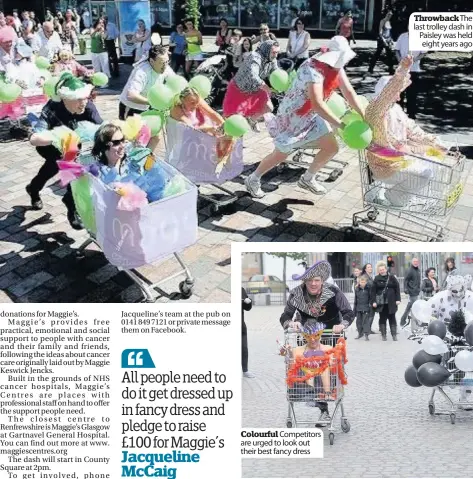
(265, 48)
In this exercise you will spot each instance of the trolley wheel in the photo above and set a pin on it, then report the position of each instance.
(345, 425)
(356, 223)
(289, 423)
(372, 215)
(331, 438)
(431, 409)
(281, 167)
(185, 289)
(452, 418)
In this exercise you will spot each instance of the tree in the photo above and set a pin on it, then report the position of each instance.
(284, 256)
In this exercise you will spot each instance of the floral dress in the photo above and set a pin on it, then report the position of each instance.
(291, 128)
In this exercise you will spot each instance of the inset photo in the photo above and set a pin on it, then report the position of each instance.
(374, 348)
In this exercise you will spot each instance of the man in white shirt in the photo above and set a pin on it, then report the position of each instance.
(409, 95)
(134, 98)
(86, 18)
(111, 31)
(46, 43)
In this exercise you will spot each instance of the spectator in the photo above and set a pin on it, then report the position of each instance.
(430, 284)
(264, 35)
(27, 26)
(142, 40)
(49, 16)
(70, 30)
(177, 45)
(111, 36)
(8, 39)
(35, 22)
(86, 18)
(17, 21)
(298, 44)
(367, 271)
(355, 275)
(345, 27)
(194, 47)
(450, 270)
(57, 26)
(242, 49)
(10, 21)
(409, 95)
(385, 42)
(47, 42)
(60, 18)
(362, 307)
(385, 298)
(246, 305)
(98, 48)
(224, 36)
(412, 282)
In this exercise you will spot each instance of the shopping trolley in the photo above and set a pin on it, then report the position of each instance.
(300, 392)
(131, 239)
(412, 207)
(195, 155)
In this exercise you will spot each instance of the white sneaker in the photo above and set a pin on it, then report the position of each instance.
(311, 185)
(248, 375)
(324, 419)
(253, 186)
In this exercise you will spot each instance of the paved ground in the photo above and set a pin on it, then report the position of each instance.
(37, 261)
(392, 433)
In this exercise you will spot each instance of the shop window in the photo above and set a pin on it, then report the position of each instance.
(254, 13)
(307, 10)
(214, 10)
(161, 12)
(332, 11)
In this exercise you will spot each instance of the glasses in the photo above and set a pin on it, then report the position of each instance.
(116, 142)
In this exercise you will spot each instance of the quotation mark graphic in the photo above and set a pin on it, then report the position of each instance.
(137, 358)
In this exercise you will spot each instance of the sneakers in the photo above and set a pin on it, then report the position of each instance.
(36, 202)
(253, 186)
(312, 186)
(249, 375)
(324, 418)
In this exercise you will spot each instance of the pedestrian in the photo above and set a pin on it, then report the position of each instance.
(345, 27)
(304, 120)
(298, 44)
(362, 307)
(223, 37)
(367, 271)
(111, 36)
(177, 46)
(409, 95)
(74, 106)
(450, 270)
(430, 284)
(17, 21)
(98, 48)
(385, 42)
(246, 305)
(194, 47)
(385, 298)
(86, 18)
(317, 300)
(247, 93)
(264, 35)
(47, 43)
(412, 282)
(355, 276)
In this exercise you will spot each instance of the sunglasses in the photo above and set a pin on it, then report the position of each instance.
(312, 336)
(116, 142)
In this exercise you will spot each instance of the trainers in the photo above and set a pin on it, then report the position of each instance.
(36, 202)
(324, 418)
(247, 374)
(253, 186)
(312, 186)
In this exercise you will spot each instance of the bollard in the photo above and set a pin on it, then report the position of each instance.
(268, 299)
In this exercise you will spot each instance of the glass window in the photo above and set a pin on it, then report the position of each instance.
(332, 11)
(258, 277)
(160, 10)
(308, 10)
(213, 10)
(254, 13)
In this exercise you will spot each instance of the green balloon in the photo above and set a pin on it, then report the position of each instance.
(49, 88)
(42, 63)
(357, 135)
(160, 97)
(337, 105)
(176, 83)
(83, 201)
(9, 92)
(99, 79)
(236, 126)
(202, 85)
(350, 117)
(155, 123)
(279, 80)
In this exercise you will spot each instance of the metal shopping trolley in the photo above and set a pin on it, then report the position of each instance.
(144, 236)
(413, 204)
(300, 392)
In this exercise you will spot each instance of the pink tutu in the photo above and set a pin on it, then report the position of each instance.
(246, 104)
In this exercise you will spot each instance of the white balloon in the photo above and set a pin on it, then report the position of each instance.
(422, 311)
(464, 360)
(434, 345)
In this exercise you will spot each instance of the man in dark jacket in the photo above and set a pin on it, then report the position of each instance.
(362, 308)
(246, 305)
(411, 287)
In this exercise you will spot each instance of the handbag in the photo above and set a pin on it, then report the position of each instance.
(381, 298)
